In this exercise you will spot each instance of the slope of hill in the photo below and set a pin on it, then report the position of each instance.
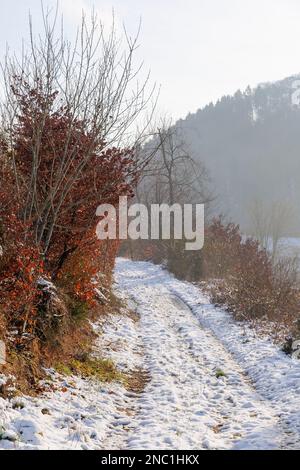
(250, 144)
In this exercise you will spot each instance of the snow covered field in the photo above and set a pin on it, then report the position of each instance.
(209, 382)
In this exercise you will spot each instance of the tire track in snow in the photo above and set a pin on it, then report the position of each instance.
(289, 439)
(274, 376)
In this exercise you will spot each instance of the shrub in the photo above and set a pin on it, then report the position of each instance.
(41, 233)
(242, 276)
(250, 284)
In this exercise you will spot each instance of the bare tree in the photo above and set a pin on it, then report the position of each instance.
(270, 223)
(94, 80)
(173, 175)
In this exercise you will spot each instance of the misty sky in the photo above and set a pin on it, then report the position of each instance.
(197, 50)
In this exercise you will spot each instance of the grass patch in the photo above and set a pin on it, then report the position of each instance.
(220, 373)
(103, 370)
(63, 369)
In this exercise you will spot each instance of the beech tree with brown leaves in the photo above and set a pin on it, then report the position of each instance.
(68, 143)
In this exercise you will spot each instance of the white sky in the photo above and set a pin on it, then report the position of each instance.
(197, 50)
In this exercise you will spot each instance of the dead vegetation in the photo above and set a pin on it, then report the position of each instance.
(137, 380)
(66, 341)
(241, 276)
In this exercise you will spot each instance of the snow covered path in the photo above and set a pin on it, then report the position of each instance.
(201, 380)
(199, 396)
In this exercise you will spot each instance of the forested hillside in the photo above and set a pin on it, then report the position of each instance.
(250, 144)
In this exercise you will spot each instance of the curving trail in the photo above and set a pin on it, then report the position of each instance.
(199, 396)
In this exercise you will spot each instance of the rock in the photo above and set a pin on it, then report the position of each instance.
(10, 436)
(18, 404)
(292, 347)
(296, 349)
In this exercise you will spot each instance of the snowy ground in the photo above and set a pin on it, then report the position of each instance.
(211, 384)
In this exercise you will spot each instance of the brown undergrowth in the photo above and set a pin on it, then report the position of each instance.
(66, 347)
(239, 275)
